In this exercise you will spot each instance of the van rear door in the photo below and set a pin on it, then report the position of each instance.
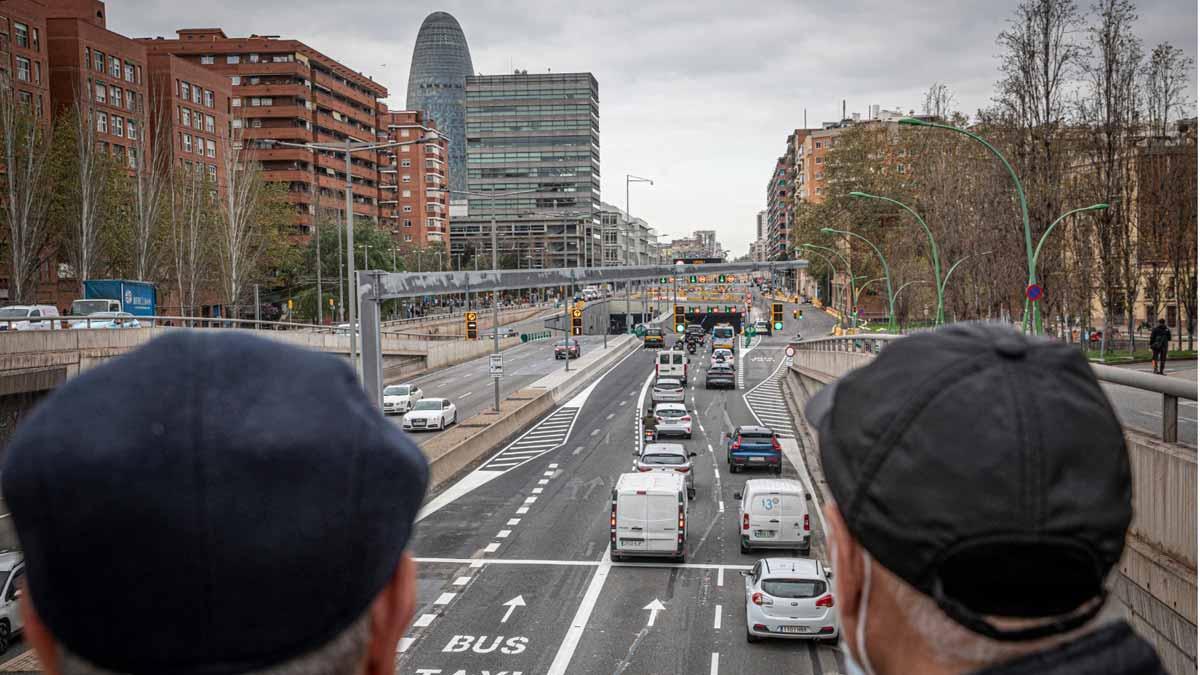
(662, 522)
(766, 516)
(795, 510)
(631, 522)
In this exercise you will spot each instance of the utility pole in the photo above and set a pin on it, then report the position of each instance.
(495, 318)
(320, 299)
(258, 309)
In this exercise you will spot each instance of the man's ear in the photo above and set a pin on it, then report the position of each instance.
(390, 615)
(38, 635)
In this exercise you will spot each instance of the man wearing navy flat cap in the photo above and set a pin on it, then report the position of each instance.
(215, 504)
(981, 493)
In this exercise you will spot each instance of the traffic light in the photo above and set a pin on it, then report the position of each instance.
(662, 280)
(472, 325)
(692, 279)
(577, 322)
(679, 320)
(777, 315)
(721, 278)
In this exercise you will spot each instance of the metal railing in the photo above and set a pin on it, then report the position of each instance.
(1171, 389)
(61, 323)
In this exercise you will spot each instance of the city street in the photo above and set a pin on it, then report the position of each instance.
(1142, 410)
(515, 575)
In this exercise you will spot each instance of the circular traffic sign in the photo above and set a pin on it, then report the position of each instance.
(789, 352)
(1034, 292)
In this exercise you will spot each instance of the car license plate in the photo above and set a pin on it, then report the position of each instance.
(794, 629)
(764, 533)
(632, 542)
(758, 459)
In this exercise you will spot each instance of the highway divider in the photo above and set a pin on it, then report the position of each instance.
(470, 441)
(535, 336)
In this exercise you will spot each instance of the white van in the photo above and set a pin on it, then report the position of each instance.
(34, 315)
(12, 573)
(774, 514)
(649, 516)
(672, 363)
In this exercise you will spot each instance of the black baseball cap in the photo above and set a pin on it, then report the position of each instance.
(209, 503)
(986, 469)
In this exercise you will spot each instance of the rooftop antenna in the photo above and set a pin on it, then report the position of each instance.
(843, 108)
(806, 118)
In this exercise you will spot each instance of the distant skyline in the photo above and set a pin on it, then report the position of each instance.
(697, 94)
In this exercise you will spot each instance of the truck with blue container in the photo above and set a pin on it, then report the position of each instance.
(138, 298)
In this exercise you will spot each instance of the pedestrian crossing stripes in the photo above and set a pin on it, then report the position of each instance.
(741, 370)
(550, 433)
(765, 401)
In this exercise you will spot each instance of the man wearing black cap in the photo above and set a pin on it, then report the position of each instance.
(215, 504)
(980, 496)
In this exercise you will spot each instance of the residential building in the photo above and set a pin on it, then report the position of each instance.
(537, 134)
(284, 90)
(189, 109)
(627, 241)
(437, 81)
(412, 181)
(24, 59)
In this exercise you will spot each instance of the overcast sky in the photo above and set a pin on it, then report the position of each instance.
(698, 95)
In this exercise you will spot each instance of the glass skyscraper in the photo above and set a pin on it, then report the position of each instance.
(441, 63)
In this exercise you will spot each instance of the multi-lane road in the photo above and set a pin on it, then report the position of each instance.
(515, 575)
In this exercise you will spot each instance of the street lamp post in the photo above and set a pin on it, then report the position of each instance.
(940, 315)
(349, 148)
(849, 275)
(887, 273)
(366, 262)
(630, 178)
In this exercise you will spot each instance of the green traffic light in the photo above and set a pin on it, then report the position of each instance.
(678, 328)
(778, 325)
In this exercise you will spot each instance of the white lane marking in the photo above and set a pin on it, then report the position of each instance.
(404, 644)
(716, 660)
(513, 521)
(543, 481)
(444, 599)
(552, 466)
(480, 562)
(530, 500)
(503, 534)
(424, 620)
(610, 416)
(462, 581)
(717, 618)
(536, 491)
(492, 547)
(462, 487)
(721, 506)
(570, 642)
(621, 403)
(465, 395)
(549, 474)
(721, 576)
(655, 606)
(523, 510)
(477, 563)
(595, 431)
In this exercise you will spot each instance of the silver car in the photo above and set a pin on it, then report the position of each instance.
(672, 419)
(667, 390)
(790, 598)
(668, 457)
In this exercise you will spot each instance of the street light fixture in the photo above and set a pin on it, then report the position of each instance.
(849, 273)
(349, 148)
(887, 273)
(630, 178)
(940, 315)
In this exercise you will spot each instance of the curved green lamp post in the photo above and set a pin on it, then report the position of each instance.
(887, 273)
(849, 272)
(940, 315)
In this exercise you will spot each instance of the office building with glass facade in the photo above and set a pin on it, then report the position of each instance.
(441, 63)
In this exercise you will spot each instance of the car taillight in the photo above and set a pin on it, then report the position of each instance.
(737, 445)
(745, 521)
(685, 418)
(683, 469)
(806, 528)
(775, 444)
(826, 601)
(644, 468)
(761, 599)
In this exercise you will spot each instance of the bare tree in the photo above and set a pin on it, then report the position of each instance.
(26, 205)
(190, 208)
(91, 178)
(1167, 76)
(939, 100)
(151, 162)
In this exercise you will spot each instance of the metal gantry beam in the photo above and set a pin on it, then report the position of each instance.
(376, 286)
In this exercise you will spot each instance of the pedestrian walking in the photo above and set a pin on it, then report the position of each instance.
(1160, 341)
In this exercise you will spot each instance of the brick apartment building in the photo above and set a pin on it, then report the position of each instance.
(287, 91)
(412, 182)
(23, 56)
(192, 104)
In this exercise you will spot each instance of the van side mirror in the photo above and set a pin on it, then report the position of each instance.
(737, 496)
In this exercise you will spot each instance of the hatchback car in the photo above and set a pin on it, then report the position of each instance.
(667, 390)
(430, 413)
(672, 419)
(722, 356)
(720, 376)
(790, 598)
(570, 350)
(654, 338)
(399, 398)
(750, 445)
(671, 457)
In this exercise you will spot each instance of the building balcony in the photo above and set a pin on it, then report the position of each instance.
(290, 111)
(328, 82)
(289, 91)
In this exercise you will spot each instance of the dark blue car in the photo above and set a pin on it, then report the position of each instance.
(750, 445)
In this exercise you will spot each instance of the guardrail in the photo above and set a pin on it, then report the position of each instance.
(1171, 389)
(58, 323)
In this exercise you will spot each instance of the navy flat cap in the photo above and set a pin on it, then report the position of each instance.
(209, 503)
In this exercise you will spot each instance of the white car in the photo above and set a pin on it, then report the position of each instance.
(106, 320)
(667, 390)
(672, 419)
(722, 356)
(668, 457)
(790, 598)
(34, 316)
(430, 413)
(12, 574)
(399, 398)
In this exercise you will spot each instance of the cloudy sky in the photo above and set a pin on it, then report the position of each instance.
(698, 95)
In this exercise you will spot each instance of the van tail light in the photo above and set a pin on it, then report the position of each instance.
(745, 521)
(826, 601)
(775, 444)
(762, 600)
(612, 523)
(806, 526)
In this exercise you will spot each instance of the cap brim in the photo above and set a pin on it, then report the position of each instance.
(820, 406)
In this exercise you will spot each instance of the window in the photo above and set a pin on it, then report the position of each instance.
(98, 61)
(206, 60)
(212, 171)
(185, 90)
(236, 123)
(102, 123)
(101, 92)
(118, 125)
(87, 56)
(820, 160)
(233, 58)
(38, 105)
(210, 124)
(185, 117)
(114, 67)
(212, 148)
(235, 102)
(196, 94)
(208, 98)
(22, 33)
(407, 209)
(129, 72)
(37, 72)
(131, 104)
(899, 168)
(36, 40)
(133, 157)
(253, 58)
(235, 79)
(408, 223)
(404, 133)
(26, 98)
(131, 129)
(408, 237)
(406, 178)
(187, 143)
(406, 194)
(405, 148)
(405, 163)
(197, 120)
(22, 69)
(817, 145)
(114, 95)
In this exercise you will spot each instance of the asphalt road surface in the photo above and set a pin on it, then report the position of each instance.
(1142, 410)
(514, 572)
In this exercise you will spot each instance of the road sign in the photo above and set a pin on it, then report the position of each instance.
(576, 313)
(789, 352)
(496, 365)
(1034, 292)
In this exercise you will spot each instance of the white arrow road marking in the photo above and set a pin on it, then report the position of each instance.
(655, 607)
(512, 605)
